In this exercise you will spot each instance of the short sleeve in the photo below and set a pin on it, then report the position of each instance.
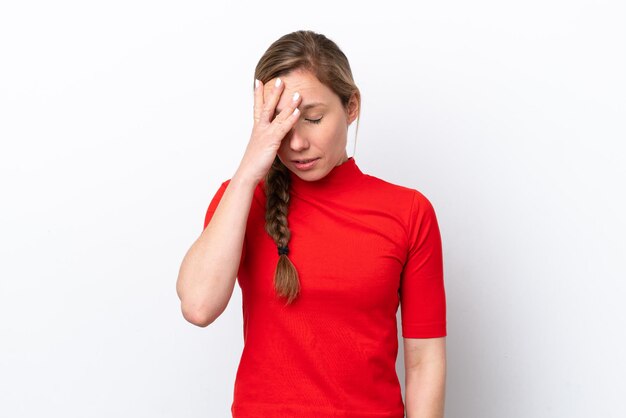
(422, 292)
(214, 202)
(211, 210)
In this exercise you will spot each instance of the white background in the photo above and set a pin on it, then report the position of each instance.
(120, 119)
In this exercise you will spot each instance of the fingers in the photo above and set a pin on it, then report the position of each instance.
(288, 117)
(288, 112)
(258, 100)
(265, 107)
(269, 105)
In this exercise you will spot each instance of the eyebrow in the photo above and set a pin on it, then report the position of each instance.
(305, 107)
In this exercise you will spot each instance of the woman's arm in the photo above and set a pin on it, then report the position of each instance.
(207, 275)
(425, 377)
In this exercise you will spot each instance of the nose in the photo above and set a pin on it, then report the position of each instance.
(296, 139)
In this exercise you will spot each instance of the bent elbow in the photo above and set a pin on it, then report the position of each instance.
(197, 316)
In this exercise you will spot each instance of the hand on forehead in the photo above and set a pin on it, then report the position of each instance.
(288, 86)
(299, 81)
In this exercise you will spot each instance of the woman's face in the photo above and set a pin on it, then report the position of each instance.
(324, 140)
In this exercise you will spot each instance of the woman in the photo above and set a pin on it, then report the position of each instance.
(324, 255)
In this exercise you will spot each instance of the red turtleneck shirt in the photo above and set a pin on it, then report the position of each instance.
(362, 247)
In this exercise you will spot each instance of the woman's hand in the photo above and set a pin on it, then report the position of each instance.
(267, 134)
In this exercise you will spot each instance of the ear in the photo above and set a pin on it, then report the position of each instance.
(352, 110)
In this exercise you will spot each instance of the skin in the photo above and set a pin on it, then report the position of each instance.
(326, 139)
(425, 377)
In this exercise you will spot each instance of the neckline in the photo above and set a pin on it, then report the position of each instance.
(341, 177)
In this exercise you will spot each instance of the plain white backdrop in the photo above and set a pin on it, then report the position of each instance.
(119, 120)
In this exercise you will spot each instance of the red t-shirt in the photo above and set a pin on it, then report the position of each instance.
(362, 247)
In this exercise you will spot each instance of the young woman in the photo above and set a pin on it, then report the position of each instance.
(324, 255)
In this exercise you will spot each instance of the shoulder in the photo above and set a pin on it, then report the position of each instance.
(409, 198)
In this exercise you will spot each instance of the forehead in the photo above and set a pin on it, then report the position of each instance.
(303, 82)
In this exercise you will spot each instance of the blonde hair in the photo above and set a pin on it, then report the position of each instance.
(313, 52)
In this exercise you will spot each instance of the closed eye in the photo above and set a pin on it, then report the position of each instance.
(314, 120)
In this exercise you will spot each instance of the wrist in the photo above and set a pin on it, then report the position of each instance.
(242, 179)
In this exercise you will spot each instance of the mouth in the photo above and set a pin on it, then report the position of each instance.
(307, 164)
(304, 161)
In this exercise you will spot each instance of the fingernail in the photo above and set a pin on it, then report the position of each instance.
(295, 96)
(256, 83)
(277, 82)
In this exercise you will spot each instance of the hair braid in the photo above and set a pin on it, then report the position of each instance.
(277, 181)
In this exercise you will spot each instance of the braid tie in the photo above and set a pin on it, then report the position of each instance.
(283, 250)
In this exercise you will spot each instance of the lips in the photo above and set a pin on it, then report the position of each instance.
(304, 161)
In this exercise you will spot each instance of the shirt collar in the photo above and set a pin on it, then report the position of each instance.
(342, 177)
